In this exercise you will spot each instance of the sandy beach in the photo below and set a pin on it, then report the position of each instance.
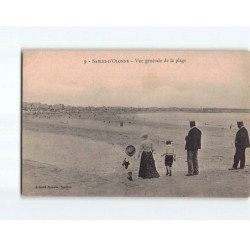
(81, 155)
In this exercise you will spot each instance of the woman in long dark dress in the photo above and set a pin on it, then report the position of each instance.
(147, 164)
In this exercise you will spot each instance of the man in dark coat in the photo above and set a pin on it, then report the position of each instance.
(193, 143)
(241, 143)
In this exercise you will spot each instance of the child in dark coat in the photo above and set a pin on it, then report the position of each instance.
(169, 157)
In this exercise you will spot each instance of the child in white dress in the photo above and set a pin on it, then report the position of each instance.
(129, 161)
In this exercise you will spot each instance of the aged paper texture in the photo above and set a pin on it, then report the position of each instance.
(135, 123)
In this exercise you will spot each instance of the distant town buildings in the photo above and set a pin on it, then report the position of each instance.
(41, 108)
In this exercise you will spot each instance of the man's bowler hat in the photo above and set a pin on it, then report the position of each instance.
(240, 123)
(192, 123)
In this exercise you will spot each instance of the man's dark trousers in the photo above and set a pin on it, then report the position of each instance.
(192, 160)
(239, 157)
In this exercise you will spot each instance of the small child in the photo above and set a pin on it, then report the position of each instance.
(127, 166)
(130, 151)
(169, 157)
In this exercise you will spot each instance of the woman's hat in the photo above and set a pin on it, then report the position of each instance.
(130, 150)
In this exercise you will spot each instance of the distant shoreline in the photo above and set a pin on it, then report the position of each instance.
(40, 107)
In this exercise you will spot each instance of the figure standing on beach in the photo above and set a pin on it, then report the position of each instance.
(130, 162)
(241, 143)
(193, 143)
(169, 157)
(147, 163)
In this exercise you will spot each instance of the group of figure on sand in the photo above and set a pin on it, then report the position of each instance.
(193, 144)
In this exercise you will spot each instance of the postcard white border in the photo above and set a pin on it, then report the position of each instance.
(13, 40)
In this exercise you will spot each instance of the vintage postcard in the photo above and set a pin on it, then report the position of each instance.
(146, 123)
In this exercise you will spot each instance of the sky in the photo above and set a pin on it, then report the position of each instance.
(185, 79)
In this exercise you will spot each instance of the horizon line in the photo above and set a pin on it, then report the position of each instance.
(118, 106)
